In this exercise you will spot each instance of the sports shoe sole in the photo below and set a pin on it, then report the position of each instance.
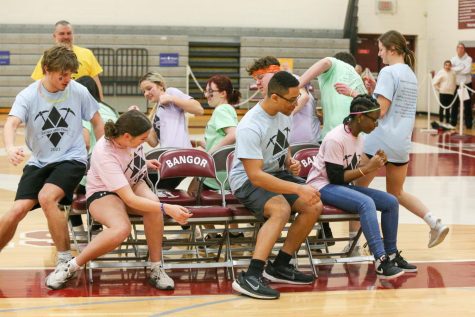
(440, 238)
(384, 277)
(408, 270)
(168, 288)
(243, 291)
(274, 279)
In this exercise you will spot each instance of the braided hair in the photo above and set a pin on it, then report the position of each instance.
(361, 104)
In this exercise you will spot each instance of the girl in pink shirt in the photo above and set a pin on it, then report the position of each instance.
(115, 188)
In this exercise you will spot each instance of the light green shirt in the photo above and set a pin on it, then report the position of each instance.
(336, 107)
(224, 116)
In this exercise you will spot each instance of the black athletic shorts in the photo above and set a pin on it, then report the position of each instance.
(395, 164)
(98, 195)
(66, 175)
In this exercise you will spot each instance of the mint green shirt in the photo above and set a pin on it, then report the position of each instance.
(224, 116)
(336, 107)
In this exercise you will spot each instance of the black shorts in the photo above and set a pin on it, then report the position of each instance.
(66, 175)
(254, 198)
(98, 195)
(395, 164)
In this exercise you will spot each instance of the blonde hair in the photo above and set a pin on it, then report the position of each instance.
(157, 79)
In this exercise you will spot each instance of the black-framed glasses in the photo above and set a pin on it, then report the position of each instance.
(210, 91)
(375, 120)
(291, 101)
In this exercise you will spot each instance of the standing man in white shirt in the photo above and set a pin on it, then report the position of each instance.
(462, 66)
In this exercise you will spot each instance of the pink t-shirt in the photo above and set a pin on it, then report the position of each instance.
(338, 147)
(113, 167)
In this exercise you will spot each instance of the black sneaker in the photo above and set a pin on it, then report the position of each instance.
(386, 269)
(255, 287)
(286, 274)
(400, 262)
(328, 233)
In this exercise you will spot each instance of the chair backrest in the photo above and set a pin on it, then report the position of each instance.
(221, 155)
(294, 148)
(186, 162)
(306, 157)
(229, 162)
(155, 154)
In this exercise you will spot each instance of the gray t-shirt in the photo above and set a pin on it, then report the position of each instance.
(398, 84)
(54, 122)
(263, 137)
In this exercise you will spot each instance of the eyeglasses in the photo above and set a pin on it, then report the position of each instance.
(210, 91)
(374, 120)
(291, 101)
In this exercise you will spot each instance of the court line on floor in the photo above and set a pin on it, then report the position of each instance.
(181, 309)
(110, 302)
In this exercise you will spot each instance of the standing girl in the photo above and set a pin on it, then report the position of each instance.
(396, 92)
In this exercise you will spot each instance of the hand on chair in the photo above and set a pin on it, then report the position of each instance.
(179, 213)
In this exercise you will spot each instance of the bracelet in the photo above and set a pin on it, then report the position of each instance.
(363, 174)
(351, 93)
(162, 208)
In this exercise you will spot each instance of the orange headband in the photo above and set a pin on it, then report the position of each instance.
(269, 69)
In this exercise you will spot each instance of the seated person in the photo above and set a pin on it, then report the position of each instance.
(116, 187)
(107, 113)
(262, 178)
(338, 164)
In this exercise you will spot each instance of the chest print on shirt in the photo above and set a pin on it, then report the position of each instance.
(353, 163)
(135, 168)
(55, 123)
(280, 142)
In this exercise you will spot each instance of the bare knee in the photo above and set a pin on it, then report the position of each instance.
(46, 200)
(312, 211)
(278, 210)
(122, 232)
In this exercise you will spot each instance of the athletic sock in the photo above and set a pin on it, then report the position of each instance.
(430, 219)
(256, 267)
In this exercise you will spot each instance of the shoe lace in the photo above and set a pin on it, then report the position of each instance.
(399, 258)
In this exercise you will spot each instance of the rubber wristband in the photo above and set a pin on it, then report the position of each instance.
(363, 174)
(162, 208)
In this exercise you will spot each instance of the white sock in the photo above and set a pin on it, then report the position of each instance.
(74, 265)
(430, 220)
(64, 256)
(155, 264)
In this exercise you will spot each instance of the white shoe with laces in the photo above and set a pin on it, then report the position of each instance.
(58, 278)
(160, 279)
(437, 234)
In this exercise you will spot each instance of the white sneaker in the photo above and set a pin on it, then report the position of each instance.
(437, 234)
(58, 278)
(159, 279)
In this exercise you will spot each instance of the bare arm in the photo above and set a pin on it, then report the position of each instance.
(97, 125)
(259, 178)
(188, 105)
(315, 70)
(230, 138)
(87, 138)
(302, 101)
(179, 213)
(99, 86)
(384, 103)
(14, 153)
(152, 138)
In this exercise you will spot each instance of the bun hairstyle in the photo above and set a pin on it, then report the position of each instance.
(132, 122)
(361, 104)
(393, 40)
(223, 83)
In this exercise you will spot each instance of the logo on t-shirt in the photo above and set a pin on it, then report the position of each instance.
(54, 123)
(135, 166)
(280, 145)
(351, 161)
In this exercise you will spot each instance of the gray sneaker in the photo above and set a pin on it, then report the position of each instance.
(437, 234)
(159, 279)
(58, 278)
